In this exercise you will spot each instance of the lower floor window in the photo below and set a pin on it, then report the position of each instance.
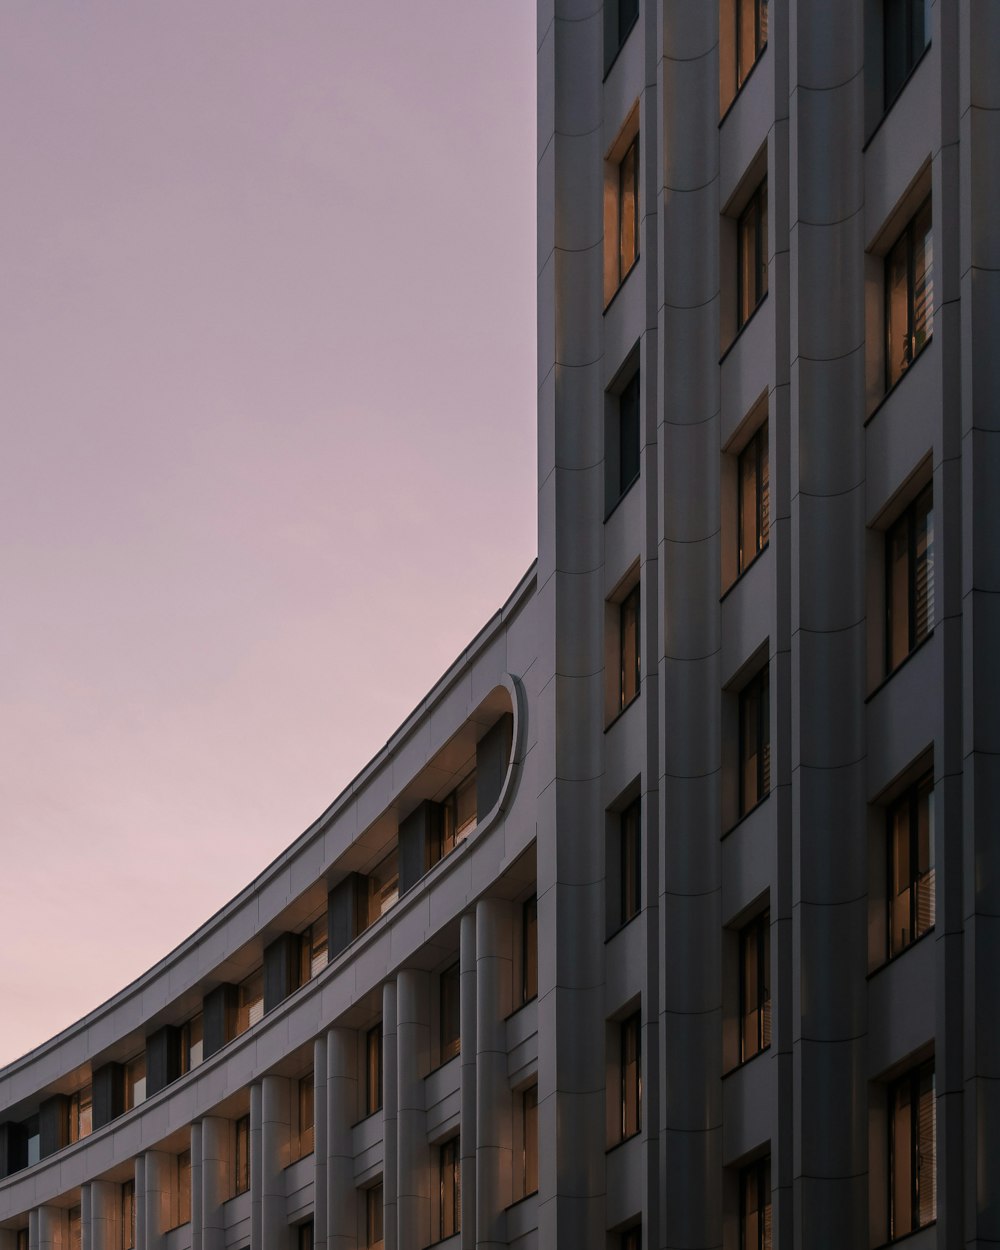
(451, 1188)
(373, 1217)
(912, 1151)
(755, 1205)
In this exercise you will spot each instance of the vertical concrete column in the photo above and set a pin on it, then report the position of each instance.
(158, 1197)
(390, 1101)
(34, 1229)
(342, 1111)
(140, 1202)
(196, 1187)
(494, 993)
(105, 1215)
(216, 1179)
(413, 1192)
(53, 1228)
(275, 1137)
(320, 1147)
(467, 1017)
(256, 1167)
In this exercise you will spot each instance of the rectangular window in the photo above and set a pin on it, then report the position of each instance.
(22, 1239)
(911, 865)
(135, 1082)
(755, 986)
(529, 950)
(450, 1188)
(373, 1218)
(754, 499)
(75, 1229)
(306, 1235)
(628, 210)
(755, 740)
(751, 36)
(631, 860)
(383, 886)
(751, 255)
(451, 1041)
(529, 1142)
(904, 38)
(373, 1070)
(307, 1115)
(458, 814)
(909, 580)
(313, 950)
(241, 1156)
(912, 1152)
(80, 1114)
(632, 1238)
(631, 1075)
(628, 434)
(34, 1139)
(128, 1215)
(755, 1205)
(619, 18)
(250, 1003)
(192, 1043)
(909, 295)
(628, 647)
(184, 1187)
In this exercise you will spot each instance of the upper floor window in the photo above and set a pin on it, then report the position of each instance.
(754, 499)
(135, 1082)
(80, 1114)
(751, 255)
(904, 37)
(755, 740)
(909, 294)
(755, 1205)
(628, 434)
(751, 36)
(909, 591)
(458, 814)
(912, 1151)
(628, 647)
(373, 1069)
(375, 1237)
(241, 1156)
(529, 1141)
(450, 1188)
(911, 865)
(621, 207)
(128, 1215)
(619, 18)
(33, 1130)
(192, 1043)
(631, 1075)
(250, 1001)
(631, 860)
(383, 886)
(755, 986)
(451, 1018)
(313, 950)
(529, 949)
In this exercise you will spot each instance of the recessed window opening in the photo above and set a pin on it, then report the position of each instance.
(751, 255)
(754, 499)
(909, 295)
(911, 865)
(909, 596)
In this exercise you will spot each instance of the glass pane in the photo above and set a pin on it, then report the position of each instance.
(764, 487)
(631, 1076)
(762, 25)
(750, 994)
(629, 618)
(897, 327)
(747, 260)
(374, 1069)
(901, 877)
(901, 1134)
(628, 11)
(923, 573)
(531, 1140)
(926, 1149)
(529, 954)
(749, 747)
(465, 808)
(375, 1234)
(383, 887)
(630, 869)
(628, 434)
(762, 246)
(897, 595)
(746, 38)
(749, 536)
(450, 1014)
(923, 278)
(765, 977)
(628, 198)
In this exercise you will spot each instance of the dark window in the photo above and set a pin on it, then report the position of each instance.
(192, 1043)
(313, 950)
(631, 860)
(450, 1171)
(755, 740)
(373, 1217)
(373, 1069)
(632, 1238)
(529, 1141)
(529, 950)
(241, 1170)
(628, 434)
(903, 40)
(75, 1229)
(184, 1187)
(631, 1073)
(755, 986)
(628, 209)
(250, 1003)
(751, 36)
(135, 1082)
(128, 1215)
(755, 503)
(458, 814)
(22, 1239)
(628, 646)
(306, 1235)
(755, 1205)
(911, 865)
(912, 1152)
(751, 255)
(909, 295)
(909, 580)
(451, 1017)
(33, 1130)
(619, 18)
(81, 1117)
(307, 1115)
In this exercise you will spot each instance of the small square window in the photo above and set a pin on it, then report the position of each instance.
(529, 1140)
(904, 37)
(909, 580)
(755, 741)
(241, 1156)
(751, 255)
(374, 1236)
(909, 295)
(628, 648)
(373, 1069)
(911, 865)
(754, 512)
(451, 1040)
(755, 986)
(631, 1075)
(450, 1188)
(755, 1205)
(912, 1152)
(529, 950)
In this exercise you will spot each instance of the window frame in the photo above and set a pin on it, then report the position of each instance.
(629, 674)
(758, 447)
(760, 41)
(907, 239)
(907, 521)
(758, 686)
(241, 1156)
(910, 799)
(909, 1082)
(629, 1032)
(757, 205)
(450, 1031)
(758, 1175)
(449, 1169)
(529, 949)
(374, 1050)
(757, 930)
(630, 859)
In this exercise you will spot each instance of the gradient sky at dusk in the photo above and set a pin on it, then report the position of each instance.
(267, 350)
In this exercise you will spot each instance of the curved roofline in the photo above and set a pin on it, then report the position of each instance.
(514, 602)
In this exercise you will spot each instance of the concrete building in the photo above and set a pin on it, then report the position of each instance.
(671, 917)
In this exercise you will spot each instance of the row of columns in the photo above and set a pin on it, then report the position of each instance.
(409, 1176)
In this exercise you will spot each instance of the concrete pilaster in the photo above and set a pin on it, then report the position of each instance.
(158, 1197)
(275, 1137)
(140, 1203)
(320, 1148)
(52, 1229)
(467, 1011)
(197, 1215)
(494, 990)
(256, 1168)
(105, 1215)
(413, 1194)
(341, 1048)
(216, 1180)
(390, 1101)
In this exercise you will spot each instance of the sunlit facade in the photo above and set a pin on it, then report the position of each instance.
(667, 919)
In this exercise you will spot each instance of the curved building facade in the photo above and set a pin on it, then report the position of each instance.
(670, 917)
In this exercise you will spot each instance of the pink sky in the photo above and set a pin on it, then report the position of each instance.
(267, 349)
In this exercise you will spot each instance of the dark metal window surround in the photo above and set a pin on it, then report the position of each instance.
(450, 1171)
(751, 255)
(628, 434)
(529, 950)
(909, 580)
(754, 501)
(755, 1205)
(631, 860)
(904, 38)
(755, 986)
(751, 36)
(912, 1151)
(909, 294)
(910, 896)
(628, 645)
(631, 1075)
(755, 740)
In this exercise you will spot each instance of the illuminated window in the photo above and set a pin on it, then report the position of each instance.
(911, 865)
(529, 950)
(307, 1115)
(621, 207)
(458, 814)
(751, 255)
(631, 860)
(912, 1152)
(755, 1205)
(184, 1187)
(909, 577)
(909, 295)
(128, 1215)
(373, 1070)
(241, 1169)
(628, 647)
(135, 1082)
(373, 1221)
(751, 36)
(192, 1043)
(80, 1114)
(450, 1188)
(904, 37)
(631, 1075)
(383, 886)
(529, 1140)
(250, 1002)
(755, 740)
(451, 1041)
(313, 950)
(754, 499)
(75, 1229)
(755, 986)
